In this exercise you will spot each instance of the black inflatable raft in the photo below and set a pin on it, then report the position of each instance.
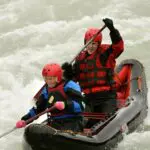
(105, 134)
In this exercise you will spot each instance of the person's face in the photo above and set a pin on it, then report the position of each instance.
(92, 47)
(51, 81)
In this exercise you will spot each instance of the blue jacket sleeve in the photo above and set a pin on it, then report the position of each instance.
(72, 85)
(32, 112)
(75, 103)
(41, 103)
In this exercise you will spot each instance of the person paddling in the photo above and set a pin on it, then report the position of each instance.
(94, 69)
(64, 95)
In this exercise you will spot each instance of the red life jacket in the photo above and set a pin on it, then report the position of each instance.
(60, 89)
(58, 95)
(96, 71)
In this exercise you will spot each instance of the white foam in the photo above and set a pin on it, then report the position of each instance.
(35, 32)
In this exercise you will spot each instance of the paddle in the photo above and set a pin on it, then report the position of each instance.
(24, 123)
(89, 42)
(8, 132)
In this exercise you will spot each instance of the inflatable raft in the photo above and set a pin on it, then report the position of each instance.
(132, 110)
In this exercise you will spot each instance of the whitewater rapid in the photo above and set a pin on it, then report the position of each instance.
(35, 32)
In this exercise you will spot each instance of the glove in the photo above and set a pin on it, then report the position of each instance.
(68, 71)
(20, 124)
(32, 112)
(109, 23)
(26, 117)
(59, 105)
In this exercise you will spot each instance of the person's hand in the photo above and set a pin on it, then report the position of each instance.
(65, 65)
(20, 124)
(60, 105)
(109, 23)
(26, 117)
(68, 71)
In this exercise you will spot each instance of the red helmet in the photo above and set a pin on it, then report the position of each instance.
(90, 33)
(52, 70)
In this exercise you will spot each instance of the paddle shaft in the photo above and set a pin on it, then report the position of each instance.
(89, 42)
(8, 132)
(38, 93)
(40, 114)
(28, 121)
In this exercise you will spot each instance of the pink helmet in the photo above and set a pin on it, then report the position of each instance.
(90, 33)
(52, 70)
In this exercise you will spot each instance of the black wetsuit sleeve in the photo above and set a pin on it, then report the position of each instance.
(115, 36)
(74, 94)
(41, 104)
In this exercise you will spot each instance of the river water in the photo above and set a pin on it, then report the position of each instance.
(35, 32)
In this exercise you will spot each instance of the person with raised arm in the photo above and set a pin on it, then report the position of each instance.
(94, 69)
